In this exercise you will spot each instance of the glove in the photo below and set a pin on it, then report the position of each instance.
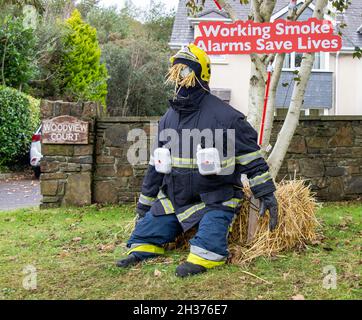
(269, 202)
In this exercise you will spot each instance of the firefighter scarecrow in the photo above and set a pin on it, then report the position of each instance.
(194, 182)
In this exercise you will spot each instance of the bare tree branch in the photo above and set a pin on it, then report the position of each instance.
(255, 8)
(279, 62)
(260, 66)
(229, 9)
(302, 8)
(266, 9)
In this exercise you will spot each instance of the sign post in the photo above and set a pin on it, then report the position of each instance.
(261, 133)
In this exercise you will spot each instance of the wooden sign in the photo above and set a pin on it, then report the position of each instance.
(65, 130)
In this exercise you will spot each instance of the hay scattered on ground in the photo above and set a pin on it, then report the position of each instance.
(297, 226)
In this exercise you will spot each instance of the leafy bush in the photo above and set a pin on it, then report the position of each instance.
(17, 53)
(85, 77)
(34, 117)
(49, 83)
(158, 23)
(137, 77)
(109, 23)
(16, 124)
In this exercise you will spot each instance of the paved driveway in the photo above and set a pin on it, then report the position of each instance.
(16, 194)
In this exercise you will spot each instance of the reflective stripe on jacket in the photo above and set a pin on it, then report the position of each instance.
(185, 192)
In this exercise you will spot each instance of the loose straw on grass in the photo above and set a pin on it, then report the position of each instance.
(297, 226)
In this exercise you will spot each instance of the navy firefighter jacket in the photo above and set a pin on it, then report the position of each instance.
(184, 191)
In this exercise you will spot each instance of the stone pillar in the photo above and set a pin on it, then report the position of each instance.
(67, 169)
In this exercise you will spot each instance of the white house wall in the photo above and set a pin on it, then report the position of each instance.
(235, 76)
(349, 85)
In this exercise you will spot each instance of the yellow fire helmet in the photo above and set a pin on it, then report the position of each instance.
(194, 53)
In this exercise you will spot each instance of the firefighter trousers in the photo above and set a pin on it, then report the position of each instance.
(209, 247)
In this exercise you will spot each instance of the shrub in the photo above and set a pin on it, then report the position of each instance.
(16, 124)
(49, 83)
(17, 53)
(34, 117)
(137, 77)
(109, 23)
(85, 77)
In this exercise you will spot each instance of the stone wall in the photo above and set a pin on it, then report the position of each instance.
(115, 179)
(67, 170)
(326, 151)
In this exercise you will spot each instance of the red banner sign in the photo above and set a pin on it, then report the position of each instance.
(244, 37)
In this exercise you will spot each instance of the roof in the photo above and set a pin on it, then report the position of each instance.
(353, 18)
(183, 32)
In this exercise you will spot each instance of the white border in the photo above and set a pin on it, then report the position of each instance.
(195, 21)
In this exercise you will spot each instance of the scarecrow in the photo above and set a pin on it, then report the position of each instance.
(198, 185)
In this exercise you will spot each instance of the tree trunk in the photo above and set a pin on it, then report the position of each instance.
(258, 74)
(293, 15)
(256, 98)
(291, 121)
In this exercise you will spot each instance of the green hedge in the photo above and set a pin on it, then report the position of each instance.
(19, 117)
(34, 107)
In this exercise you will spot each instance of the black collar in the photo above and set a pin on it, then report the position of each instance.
(189, 103)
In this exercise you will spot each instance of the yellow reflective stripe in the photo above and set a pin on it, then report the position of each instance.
(228, 163)
(148, 201)
(184, 162)
(166, 203)
(260, 179)
(190, 211)
(193, 258)
(191, 166)
(250, 157)
(167, 206)
(192, 163)
(232, 203)
(147, 248)
(206, 254)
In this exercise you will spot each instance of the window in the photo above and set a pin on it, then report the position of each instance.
(294, 60)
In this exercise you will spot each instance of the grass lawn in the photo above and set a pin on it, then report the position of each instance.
(74, 251)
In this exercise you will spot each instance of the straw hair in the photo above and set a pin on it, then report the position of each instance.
(174, 77)
(297, 226)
